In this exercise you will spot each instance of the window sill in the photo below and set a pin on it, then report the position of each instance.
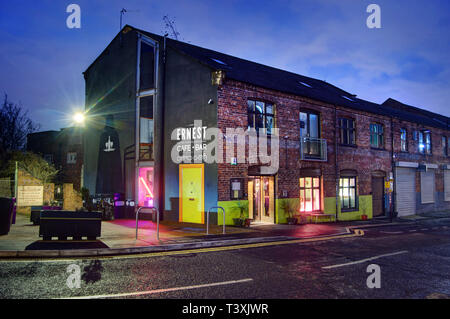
(377, 148)
(349, 145)
(349, 210)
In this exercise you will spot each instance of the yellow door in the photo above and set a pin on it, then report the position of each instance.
(192, 201)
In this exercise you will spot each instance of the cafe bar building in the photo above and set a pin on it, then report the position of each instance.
(338, 157)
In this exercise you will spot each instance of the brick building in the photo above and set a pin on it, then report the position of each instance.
(339, 157)
(63, 149)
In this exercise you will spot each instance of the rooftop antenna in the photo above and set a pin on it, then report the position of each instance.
(122, 12)
(171, 25)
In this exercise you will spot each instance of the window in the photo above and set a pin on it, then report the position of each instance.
(444, 146)
(347, 193)
(403, 140)
(147, 67)
(376, 136)
(425, 142)
(310, 194)
(347, 131)
(261, 115)
(71, 158)
(146, 128)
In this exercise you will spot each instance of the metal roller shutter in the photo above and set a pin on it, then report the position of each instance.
(447, 185)
(427, 187)
(405, 191)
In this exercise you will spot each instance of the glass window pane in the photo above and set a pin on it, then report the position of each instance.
(316, 199)
(316, 182)
(147, 67)
(308, 182)
(302, 182)
(302, 200)
(352, 181)
(269, 124)
(250, 106)
(304, 122)
(345, 182)
(269, 108)
(146, 131)
(308, 200)
(146, 107)
(352, 198)
(314, 125)
(259, 107)
(259, 121)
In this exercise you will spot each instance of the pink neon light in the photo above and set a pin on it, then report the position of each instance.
(145, 184)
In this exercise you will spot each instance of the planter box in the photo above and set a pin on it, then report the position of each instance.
(36, 213)
(64, 224)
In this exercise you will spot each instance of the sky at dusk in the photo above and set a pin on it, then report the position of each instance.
(41, 60)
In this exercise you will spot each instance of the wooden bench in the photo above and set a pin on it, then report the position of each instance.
(64, 224)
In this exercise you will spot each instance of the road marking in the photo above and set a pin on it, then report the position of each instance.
(358, 233)
(158, 291)
(391, 232)
(365, 260)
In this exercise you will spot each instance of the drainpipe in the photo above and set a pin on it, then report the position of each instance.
(161, 117)
(392, 203)
(336, 165)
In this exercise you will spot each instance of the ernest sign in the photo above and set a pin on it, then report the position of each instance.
(30, 195)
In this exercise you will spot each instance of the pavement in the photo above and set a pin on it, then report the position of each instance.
(118, 236)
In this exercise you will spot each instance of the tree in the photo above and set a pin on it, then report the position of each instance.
(31, 163)
(15, 125)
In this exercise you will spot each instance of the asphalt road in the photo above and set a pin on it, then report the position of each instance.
(413, 260)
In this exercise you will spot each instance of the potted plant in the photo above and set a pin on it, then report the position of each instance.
(242, 208)
(288, 205)
(363, 209)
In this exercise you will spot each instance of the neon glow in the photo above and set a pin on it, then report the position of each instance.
(146, 186)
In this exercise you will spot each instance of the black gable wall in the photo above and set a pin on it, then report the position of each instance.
(110, 90)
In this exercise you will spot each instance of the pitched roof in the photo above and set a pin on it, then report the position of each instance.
(284, 81)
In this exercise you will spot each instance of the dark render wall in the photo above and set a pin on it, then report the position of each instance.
(111, 89)
(188, 89)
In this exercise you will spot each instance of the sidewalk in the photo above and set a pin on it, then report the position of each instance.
(120, 234)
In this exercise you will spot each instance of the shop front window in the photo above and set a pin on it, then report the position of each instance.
(146, 186)
(310, 194)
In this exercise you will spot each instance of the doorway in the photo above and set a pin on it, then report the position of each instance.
(261, 197)
(377, 196)
(192, 190)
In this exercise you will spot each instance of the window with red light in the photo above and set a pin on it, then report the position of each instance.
(310, 200)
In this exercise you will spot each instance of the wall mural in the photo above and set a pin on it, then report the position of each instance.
(109, 167)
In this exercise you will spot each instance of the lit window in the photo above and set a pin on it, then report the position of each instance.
(146, 128)
(403, 140)
(310, 194)
(347, 193)
(444, 146)
(376, 135)
(261, 115)
(425, 142)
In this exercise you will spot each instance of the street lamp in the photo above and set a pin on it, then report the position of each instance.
(79, 118)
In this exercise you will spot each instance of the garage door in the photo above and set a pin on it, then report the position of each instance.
(447, 185)
(405, 191)
(427, 186)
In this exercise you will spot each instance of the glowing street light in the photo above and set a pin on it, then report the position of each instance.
(79, 118)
